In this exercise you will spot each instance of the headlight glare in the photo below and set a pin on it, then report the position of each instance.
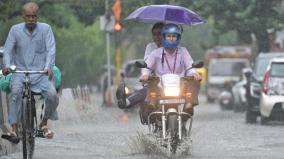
(171, 91)
(126, 90)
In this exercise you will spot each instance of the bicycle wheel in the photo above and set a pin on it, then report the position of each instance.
(28, 139)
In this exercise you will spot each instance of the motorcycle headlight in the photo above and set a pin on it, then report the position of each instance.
(126, 90)
(171, 91)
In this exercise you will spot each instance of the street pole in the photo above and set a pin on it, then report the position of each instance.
(108, 52)
(117, 58)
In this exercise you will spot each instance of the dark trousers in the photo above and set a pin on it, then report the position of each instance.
(138, 96)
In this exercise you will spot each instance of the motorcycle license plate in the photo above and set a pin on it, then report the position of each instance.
(172, 101)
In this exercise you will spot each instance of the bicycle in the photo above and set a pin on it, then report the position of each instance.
(27, 128)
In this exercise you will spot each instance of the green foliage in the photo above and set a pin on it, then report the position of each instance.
(88, 11)
(253, 16)
(5, 27)
(81, 44)
(59, 15)
(80, 51)
(198, 39)
(80, 48)
(5, 9)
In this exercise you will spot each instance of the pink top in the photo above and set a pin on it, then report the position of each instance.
(175, 63)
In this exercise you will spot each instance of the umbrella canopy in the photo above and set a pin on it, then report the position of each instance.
(167, 14)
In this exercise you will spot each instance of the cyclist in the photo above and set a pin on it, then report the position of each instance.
(31, 46)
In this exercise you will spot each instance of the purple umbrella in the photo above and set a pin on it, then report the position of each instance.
(167, 14)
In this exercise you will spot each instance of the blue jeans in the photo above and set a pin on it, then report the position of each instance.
(40, 84)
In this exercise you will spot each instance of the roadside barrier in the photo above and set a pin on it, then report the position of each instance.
(81, 96)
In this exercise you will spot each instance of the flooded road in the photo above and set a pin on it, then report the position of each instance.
(95, 132)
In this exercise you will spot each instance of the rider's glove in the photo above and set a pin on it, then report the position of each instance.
(5, 71)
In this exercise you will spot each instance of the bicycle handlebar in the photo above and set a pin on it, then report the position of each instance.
(13, 69)
(30, 72)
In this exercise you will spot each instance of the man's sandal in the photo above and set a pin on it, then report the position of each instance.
(45, 133)
(12, 137)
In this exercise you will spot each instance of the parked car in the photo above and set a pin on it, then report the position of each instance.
(130, 75)
(272, 93)
(254, 81)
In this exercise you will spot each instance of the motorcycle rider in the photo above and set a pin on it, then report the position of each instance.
(140, 95)
(156, 35)
(171, 58)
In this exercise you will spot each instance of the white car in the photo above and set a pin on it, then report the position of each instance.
(272, 94)
(130, 75)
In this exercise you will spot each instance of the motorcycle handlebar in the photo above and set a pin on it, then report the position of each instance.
(151, 78)
(188, 78)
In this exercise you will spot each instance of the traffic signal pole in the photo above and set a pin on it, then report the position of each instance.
(116, 10)
(108, 52)
(117, 58)
(110, 22)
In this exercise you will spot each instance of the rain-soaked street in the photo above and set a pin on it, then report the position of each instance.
(91, 50)
(94, 132)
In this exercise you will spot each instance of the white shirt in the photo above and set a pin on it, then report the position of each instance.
(176, 63)
(149, 48)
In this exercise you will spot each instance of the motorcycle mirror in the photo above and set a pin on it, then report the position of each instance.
(247, 72)
(141, 64)
(197, 64)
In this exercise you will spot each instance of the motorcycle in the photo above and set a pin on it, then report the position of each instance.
(168, 96)
(226, 99)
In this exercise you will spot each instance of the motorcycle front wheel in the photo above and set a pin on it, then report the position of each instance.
(172, 129)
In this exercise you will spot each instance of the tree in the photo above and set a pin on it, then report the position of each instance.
(6, 9)
(80, 48)
(246, 17)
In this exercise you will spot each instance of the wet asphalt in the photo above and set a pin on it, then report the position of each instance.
(88, 130)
